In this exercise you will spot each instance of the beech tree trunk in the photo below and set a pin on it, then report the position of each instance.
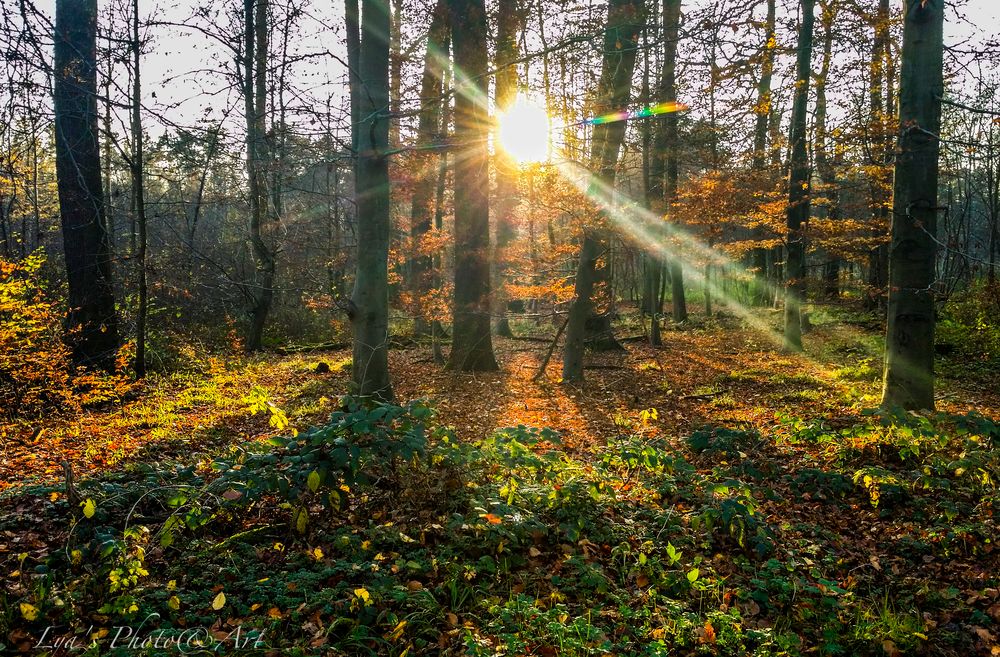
(472, 341)
(625, 21)
(261, 224)
(909, 347)
(369, 307)
(91, 324)
(798, 186)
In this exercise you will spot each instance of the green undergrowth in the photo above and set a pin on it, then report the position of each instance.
(384, 533)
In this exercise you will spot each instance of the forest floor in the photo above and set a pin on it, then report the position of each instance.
(713, 495)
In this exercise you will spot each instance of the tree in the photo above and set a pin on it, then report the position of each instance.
(824, 164)
(880, 148)
(508, 25)
(92, 325)
(625, 22)
(139, 196)
(909, 348)
(671, 23)
(798, 186)
(369, 305)
(261, 222)
(424, 166)
(472, 342)
(763, 110)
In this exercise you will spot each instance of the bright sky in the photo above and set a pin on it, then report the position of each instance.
(180, 82)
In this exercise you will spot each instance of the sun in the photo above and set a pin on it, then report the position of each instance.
(523, 131)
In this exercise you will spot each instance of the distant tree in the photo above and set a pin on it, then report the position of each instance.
(369, 306)
(909, 351)
(92, 325)
(425, 161)
(472, 342)
(798, 185)
(671, 143)
(508, 27)
(621, 40)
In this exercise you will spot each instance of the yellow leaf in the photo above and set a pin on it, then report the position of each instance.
(29, 611)
(53, 496)
(397, 631)
(363, 595)
(313, 481)
(172, 585)
(219, 602)
(317, 554)
(301, 519)
(76, 557)
(274, 613)
(89, 508)
(174, 602)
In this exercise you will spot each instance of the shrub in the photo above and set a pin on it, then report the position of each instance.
(35, 370)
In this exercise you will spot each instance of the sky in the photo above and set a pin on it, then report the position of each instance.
(179, 82)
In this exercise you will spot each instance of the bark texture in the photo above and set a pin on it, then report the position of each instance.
(798, 186)
(909, 345)
(472, 341)
(91, 324)
(625, 22)
(369, 307)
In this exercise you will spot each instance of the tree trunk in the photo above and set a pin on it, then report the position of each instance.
(671, 22)
(881, 149)
(625, 20)
(763, 110)
(255, 90)
(425, 164)
(825, 167)
(798, 186)
(652, 194)
(139, 198)
(506, 92)
(909, 353)
(369, 308)
(395, 70)
(472, 341)
(92, 326)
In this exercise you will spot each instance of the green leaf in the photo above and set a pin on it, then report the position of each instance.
(313, 481)
(693, 575)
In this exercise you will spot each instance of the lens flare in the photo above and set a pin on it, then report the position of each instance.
(645, 112)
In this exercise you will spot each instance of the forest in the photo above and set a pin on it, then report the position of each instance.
(500, 327)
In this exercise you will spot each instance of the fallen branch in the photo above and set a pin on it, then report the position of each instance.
(552, 348)
(705, 395)
(324, 346)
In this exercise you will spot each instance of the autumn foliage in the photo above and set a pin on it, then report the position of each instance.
(34, 362)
